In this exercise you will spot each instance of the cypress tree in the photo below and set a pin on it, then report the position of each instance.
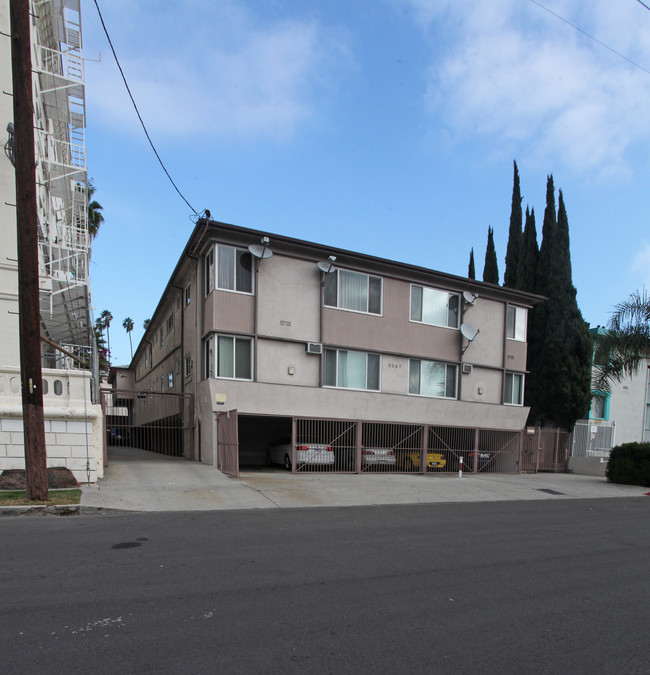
(526, 281)
(548, 238)
(527, 268)
(491, 268)
(514, 235)
(538, 317)
(471, 271)
(563, 372)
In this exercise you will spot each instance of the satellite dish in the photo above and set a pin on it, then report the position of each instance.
(326, 266)
(260, 251)
(468, 332)
(469, 297)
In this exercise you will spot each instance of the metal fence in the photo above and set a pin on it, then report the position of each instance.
(153, 421)
(592, 438)
(367, 447)
(545, 449)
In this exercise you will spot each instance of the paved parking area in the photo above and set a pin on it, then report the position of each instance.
(147, 482)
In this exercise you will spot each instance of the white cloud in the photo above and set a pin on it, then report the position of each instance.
(212, 71)
(510, 71)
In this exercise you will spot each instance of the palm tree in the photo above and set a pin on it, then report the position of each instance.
(106, 318)
(127, 324)
(101, 345)
(625, 344)
(145, 323)
(95, 217)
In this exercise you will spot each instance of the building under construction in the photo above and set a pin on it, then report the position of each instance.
(68, 349)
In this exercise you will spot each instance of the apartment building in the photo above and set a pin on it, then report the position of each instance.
(72, 421)
(267, 330)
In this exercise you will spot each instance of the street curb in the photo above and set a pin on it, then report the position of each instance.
(41, 510)
(59, 510)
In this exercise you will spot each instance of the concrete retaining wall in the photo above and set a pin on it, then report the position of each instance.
(588, 466)
(73, 427)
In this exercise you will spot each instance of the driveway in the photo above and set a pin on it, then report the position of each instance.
(137, 480)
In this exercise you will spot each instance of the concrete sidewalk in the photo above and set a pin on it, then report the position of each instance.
(151, 483)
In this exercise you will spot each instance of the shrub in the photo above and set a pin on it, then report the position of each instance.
(629, 464)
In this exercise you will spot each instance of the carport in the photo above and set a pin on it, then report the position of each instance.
(354, 446)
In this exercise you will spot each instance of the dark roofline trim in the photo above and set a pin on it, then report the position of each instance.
(323, 249)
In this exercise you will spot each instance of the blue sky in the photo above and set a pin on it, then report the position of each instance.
(387, 127)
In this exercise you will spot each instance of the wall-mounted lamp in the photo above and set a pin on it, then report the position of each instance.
(9, 145)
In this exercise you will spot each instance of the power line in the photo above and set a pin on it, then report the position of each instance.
(126, 84)
(591, 37)
(643, 3)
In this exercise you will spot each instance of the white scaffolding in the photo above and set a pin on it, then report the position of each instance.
(62, 179)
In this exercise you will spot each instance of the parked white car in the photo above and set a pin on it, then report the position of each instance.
(306, 453)
(378, 457)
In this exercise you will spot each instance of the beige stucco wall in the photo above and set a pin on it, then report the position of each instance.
(488, 317)
(289, 297)
(393, 331)
(482, 385)
(275, 399)
(275, 359)
(206, 436)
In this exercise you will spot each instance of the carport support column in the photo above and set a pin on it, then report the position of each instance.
(425, 448)
(294, 431)
(358, 442)
(477, 433)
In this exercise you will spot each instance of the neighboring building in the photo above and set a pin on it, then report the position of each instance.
(279, 338)
(621, 415)
(72, 422)
(626, 405)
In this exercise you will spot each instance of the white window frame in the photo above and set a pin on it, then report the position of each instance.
(516, 320)
(335, 277)
(188, 365)
(430, 289)
(212, 356)
(187, 296)
(508, 390)
(170, 379)
(337, 353)
(211, 259)
(449, 367)
(209, 271)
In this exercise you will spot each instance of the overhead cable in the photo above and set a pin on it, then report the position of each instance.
(126, 84)
(591, 37)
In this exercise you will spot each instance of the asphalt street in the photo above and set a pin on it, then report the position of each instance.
(507, 587)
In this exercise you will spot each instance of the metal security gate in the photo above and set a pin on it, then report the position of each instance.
(369, 447)
(154, 421)
(545, 450)
(228, 443)
(593, 438)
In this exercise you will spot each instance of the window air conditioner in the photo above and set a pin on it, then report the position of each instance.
(314, 348)
(467, 368)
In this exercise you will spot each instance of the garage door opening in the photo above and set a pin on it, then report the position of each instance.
(258, 436)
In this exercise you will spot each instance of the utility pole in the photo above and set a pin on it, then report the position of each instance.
(27, 226)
